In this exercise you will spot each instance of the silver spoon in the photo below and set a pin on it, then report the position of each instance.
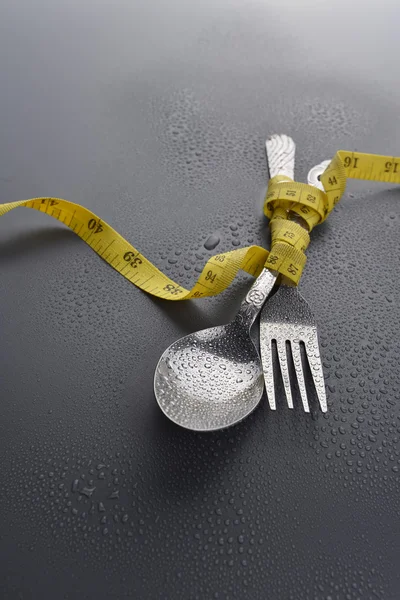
(213, 378)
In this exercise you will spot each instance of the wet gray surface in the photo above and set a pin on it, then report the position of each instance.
(155, 118)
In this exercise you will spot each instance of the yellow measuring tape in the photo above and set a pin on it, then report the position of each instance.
(289, 239)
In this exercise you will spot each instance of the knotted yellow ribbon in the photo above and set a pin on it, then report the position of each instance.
(312, 206)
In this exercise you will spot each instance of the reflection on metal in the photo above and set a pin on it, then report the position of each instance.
(213, 379)
(314, 174)
(288, 321)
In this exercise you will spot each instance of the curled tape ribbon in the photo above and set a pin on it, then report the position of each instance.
(313, 205)
(289, 240)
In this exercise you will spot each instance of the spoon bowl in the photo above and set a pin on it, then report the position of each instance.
(213, 378)
(210, 379)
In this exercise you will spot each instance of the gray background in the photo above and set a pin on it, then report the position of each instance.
(155, 118)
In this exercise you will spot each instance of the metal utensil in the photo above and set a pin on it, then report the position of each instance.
(286, 319)
(314, 174)
(288, 322)
(213, 378)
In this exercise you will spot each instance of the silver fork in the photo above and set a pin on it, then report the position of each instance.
(286, 318)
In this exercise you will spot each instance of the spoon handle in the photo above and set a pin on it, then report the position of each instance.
(255, 298)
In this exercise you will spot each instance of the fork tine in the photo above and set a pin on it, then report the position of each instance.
(300, 375)
(281, 348)
(268, 372)
(314, 360)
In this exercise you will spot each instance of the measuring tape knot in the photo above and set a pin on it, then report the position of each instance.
(311, 204)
